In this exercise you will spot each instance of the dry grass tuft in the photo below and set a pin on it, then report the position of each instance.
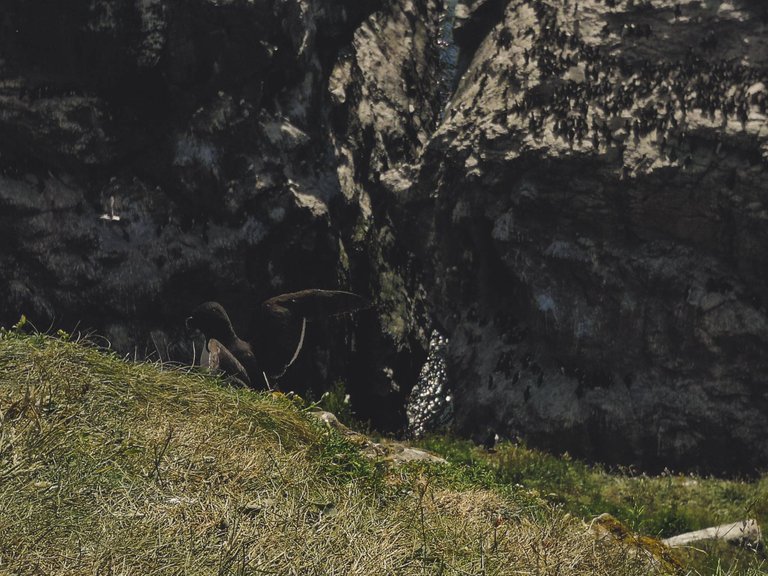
(110, 467)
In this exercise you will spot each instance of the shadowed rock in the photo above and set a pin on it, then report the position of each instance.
(234, 141)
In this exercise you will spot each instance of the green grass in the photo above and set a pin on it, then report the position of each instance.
(657, 506)
(115, 467)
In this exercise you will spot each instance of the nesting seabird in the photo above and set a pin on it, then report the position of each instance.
(279, 338)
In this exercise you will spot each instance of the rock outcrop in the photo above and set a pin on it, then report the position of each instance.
(586, 217)
(598, 239)
(159, 153)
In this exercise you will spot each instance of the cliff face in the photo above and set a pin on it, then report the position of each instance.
(597, 192)
(586, 217)
(159, 153)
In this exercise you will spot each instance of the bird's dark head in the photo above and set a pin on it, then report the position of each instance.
(212, 320)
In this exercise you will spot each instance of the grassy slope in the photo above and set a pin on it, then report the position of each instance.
(658, 506)
(110, 467)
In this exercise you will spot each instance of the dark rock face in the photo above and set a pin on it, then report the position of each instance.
(598, 244)
(586, 217)
(156, 154)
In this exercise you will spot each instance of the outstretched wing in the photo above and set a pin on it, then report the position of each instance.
(221, 360)
(315, 303)
(283, 321)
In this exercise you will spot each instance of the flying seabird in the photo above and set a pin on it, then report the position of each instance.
(280, 331)
(111, 216)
